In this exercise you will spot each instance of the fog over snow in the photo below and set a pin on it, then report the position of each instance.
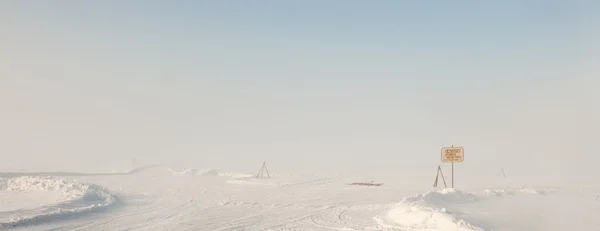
(157, 116)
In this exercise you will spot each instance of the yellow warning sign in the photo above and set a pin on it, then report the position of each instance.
(453, 154)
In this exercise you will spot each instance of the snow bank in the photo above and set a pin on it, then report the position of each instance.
(184, 172)
(513, 191)
(447, 195)
(426, 218)
(427, 211)
(207, 172)
(236, 175)
(430, 211)
(81, 198)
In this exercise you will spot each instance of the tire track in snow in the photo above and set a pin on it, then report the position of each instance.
(148, 215)
(351, 218)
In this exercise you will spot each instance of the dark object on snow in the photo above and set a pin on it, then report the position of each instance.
(367, 184)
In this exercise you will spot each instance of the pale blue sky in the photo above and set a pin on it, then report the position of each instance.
(311, 86)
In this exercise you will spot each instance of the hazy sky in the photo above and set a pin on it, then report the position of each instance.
(311, 86)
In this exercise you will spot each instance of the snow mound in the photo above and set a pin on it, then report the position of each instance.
(514, 191)
(429, 210)
(497, 192)
(447, 195)
(207, 172)
(184, 172)
(215, 172)
(535, 191)
(80, 198)
(414, 217)
(236, 175)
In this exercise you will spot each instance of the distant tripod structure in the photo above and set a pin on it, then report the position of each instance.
(502, 174)
(263, 170)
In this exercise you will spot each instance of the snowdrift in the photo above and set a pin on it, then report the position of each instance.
(79, 197)
(206, 172)
(432, 210)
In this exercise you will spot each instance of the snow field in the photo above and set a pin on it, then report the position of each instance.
(161, 198)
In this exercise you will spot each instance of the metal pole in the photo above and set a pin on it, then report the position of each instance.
(452, 174)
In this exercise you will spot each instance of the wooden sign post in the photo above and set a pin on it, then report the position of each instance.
(451, 155)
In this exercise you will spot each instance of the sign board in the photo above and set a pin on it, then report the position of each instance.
(453, 154)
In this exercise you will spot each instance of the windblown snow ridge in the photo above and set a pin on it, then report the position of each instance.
(81, 198)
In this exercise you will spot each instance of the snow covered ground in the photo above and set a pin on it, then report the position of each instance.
(161, 198)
